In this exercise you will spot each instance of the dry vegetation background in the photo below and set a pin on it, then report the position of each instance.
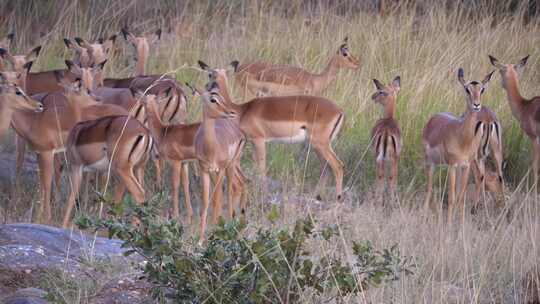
(487, 259)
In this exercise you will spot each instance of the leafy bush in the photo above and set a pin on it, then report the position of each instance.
(236, 266)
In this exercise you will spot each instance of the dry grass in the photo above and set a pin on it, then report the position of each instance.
(483, 260)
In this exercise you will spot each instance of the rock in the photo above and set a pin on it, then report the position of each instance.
(31, 246)
(26, 296)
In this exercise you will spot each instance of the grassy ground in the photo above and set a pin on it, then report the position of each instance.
(483, 260)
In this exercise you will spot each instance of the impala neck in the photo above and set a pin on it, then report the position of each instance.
(5, 115)
(76, 104)
(140, 67)
(514, 97)
(323, 80)
(209, 134)
(390, 108)
(468, 127)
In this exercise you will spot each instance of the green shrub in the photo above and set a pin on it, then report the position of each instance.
(238, 266)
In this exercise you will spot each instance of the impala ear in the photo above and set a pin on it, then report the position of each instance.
(68, 43)
(487, 79)
(101, 65)
(73, 68)
(109, 42)
(34, 53)
(460, 76)
(235, 65)
(396, 83)
(203, 65)
(378, 84)
(194, 90)
(3, 53)
(81, 42)
(522, 63)
(495, 62)
(27, 66)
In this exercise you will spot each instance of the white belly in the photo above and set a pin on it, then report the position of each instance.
(299, 135)
(100, 165)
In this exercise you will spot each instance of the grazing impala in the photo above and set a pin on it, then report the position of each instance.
(454, 141)
(491, 144)
(13, 98)
(175, 144)
(265, 79)
(289, 119)
(218, 146)
(88, 54)
(386, 134)
(526, 111)
(117, 143)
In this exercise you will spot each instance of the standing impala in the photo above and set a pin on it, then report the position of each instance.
(18, 61)
(218, 146)
(454, 141)
(175, 144)
(13, 98)
(526, 111)
(88, 54)
(386, 134)
(117, 143)
(289, 119)
(265, 79)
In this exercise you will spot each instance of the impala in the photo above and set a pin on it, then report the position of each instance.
(386, 134)
(218, 146)
(263, 79)
(175, 144)
(454, 142)
(18, 61)
(526, 111)
(289, 119)
(13, 98)
(117, 143)
(88, 54)
(142, 48)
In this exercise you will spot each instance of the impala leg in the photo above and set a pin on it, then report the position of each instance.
(451, 192)
(159, 164)
(128, 179)
(496, 148)
(231, 189)
(260, 156)
(205, 179)
(46, 163)
(380, 179)
(393, 178)
(57, 171)
(241, 185)
(479, 183)
(184, 176)
(176, 168)
(20, 150)
(217, 197)
(336, 165)
(430, 169)
(465, 171)
(536, 162)
(75, 179)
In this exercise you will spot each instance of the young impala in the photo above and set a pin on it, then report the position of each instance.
(454, 141)
(526, 111)
(386, 134)
(265, 79)
(289, 119)
(120, 144)
(175, 144)
(218, 146)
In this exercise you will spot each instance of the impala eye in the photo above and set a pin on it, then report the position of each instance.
(18, 92)
(213, 99)
(482, 91)
(467, 90)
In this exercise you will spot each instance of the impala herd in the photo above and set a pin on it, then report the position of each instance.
(118, 124)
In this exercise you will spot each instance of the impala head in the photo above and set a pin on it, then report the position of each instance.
(88, 54)
(344, 57)
(18, 77)
(386, 94)
(90, 76)
(509, 71)
(142, 43)
(215, 105)
(220, 77)
(16, 98)
(474, 90)
(18, 61)
(6, 42)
